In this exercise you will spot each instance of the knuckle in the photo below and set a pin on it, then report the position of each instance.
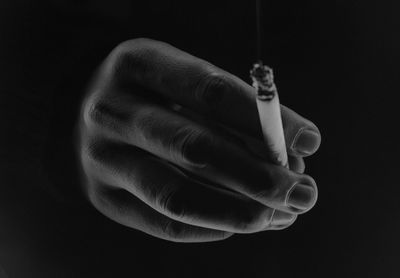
(135, 44)
(190, 145)
(95, 155)
(145, 121)
(94, 112)
(168, 200)
(251, 221)
(173, 231)
(278, 182)
(88, 158)
(106, 114)
(269, 195)
(211, 90)
(131, 56)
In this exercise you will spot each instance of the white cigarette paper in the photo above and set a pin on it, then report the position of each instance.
(270, 112)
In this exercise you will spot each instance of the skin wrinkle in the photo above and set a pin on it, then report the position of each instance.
(148, 142)
(271, 219)
(211, 90)
(189, 149)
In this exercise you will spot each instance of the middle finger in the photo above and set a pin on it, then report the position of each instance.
(204, 152)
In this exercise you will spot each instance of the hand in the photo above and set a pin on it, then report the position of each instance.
(162, 150)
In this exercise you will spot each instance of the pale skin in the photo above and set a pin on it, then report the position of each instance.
(186, 175)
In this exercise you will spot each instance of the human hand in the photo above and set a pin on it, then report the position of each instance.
(162, 150)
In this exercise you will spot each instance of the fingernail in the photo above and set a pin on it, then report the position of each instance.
(306, 142)
(301, 197)
(282, 218)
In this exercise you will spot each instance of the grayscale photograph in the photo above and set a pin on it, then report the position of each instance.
(179, 139)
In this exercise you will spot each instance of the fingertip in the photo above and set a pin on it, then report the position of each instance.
(306, 142)
(281, 227)
(281, 218)
(297, 164)
(302, 136)
(303, 195)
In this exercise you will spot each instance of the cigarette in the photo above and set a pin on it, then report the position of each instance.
(269, 111)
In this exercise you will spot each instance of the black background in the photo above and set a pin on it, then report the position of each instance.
(336, 62)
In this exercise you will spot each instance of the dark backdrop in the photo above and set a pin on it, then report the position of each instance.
(336, 62)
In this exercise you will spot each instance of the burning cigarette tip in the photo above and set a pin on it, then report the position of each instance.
(263, 81)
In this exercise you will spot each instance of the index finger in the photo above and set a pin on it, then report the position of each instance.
(195, 84)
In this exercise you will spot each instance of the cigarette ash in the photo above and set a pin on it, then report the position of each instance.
(263, 81)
